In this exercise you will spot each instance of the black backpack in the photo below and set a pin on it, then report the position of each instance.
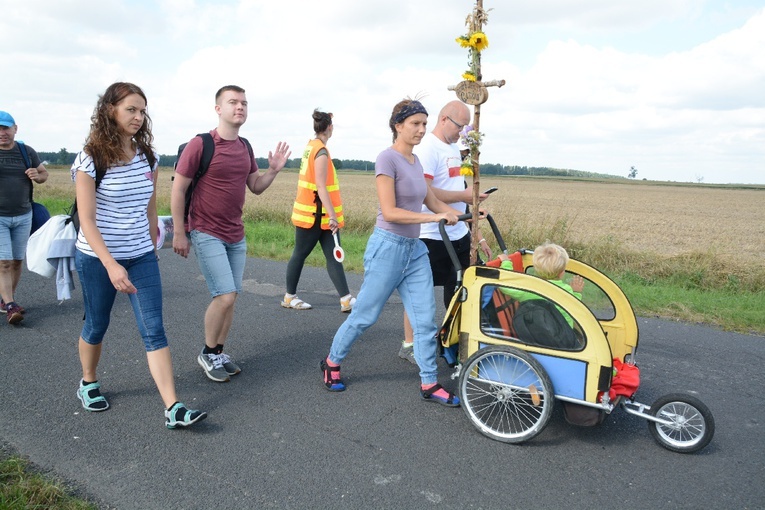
(539, 322)
(208, 149)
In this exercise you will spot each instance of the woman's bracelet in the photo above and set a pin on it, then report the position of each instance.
(483, 240)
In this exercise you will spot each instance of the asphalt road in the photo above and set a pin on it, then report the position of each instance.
(275, 438)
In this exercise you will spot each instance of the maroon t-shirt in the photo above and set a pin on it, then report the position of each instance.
(218, 198)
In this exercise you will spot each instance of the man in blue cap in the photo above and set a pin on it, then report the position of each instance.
(16, 175)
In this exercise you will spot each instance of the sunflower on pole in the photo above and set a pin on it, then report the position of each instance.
(473, 91)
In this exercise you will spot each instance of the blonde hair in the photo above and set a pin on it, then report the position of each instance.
(549, 261)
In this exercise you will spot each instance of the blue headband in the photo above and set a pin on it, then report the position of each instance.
(409, 110)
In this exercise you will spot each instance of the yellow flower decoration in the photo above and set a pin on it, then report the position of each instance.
(466, 168)
(479, 41)
(464, 41)
(468, 75)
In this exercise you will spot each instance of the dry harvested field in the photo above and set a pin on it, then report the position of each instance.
(642, 216)
(645, 217)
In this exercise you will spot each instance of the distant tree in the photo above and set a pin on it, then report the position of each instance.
(633, 172)
(167, 160)
(699, 179)
(62, 156)
(338, 163)
(355, 164)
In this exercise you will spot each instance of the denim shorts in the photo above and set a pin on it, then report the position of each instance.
(14, 234)
(98, 294)
(221, 263)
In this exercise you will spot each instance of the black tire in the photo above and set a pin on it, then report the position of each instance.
(692, 425)
(506, 394)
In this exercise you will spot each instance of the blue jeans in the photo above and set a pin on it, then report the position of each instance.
(98, 293)
(221, 263)
(14, 234)
(394, 262)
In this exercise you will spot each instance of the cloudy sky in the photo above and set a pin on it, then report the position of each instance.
(675, 88)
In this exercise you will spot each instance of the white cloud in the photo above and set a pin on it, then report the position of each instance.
(672, 87)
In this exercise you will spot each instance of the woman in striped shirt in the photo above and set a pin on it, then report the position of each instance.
(115, 177)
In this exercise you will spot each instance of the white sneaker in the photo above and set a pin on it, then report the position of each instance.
(346, 305)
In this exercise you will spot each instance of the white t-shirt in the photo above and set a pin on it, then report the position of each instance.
(441, 162)
(121, 201)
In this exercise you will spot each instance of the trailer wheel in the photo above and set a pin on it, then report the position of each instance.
(506, 394)
(691, 424)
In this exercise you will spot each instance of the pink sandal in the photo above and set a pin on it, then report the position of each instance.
(332, 379)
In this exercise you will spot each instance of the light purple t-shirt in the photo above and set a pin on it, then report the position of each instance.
(410, 187)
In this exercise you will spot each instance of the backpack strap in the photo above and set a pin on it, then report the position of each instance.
(249, 148)
(150, 159)
(28, 163)
(208, 149)
(24, 154)
(73, 216)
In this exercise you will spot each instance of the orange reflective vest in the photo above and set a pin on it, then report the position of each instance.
(307, 200)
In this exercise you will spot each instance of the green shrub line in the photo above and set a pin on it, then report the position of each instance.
(695, 287)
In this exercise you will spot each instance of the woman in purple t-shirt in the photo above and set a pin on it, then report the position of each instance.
(395, 258)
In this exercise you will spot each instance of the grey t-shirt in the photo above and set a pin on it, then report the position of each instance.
(14, 183)
(410, 187)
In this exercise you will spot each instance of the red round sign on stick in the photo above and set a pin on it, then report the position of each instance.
(338, 251)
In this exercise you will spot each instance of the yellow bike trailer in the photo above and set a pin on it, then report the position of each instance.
(523, 343)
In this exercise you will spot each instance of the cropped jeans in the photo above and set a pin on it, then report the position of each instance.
(222, 264)
(99, 293)
(393, 262)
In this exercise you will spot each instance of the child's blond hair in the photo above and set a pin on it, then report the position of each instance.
(549, 261)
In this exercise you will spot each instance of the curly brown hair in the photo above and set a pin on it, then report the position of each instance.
(104, 143)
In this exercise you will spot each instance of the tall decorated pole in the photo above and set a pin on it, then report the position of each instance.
(473, 91)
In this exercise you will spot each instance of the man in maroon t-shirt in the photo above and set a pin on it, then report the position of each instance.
(215, 219)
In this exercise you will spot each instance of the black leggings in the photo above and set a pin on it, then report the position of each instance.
(305, 240)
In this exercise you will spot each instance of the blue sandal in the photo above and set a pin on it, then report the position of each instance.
(452, 401)
(91, 398)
